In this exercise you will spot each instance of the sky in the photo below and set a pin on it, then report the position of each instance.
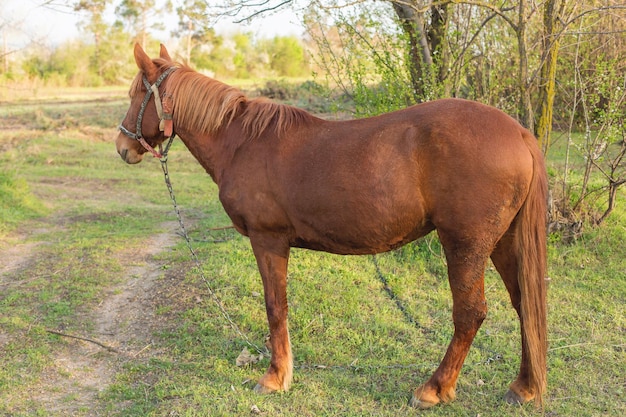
(22, 21)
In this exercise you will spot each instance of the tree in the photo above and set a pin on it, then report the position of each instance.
(61, 66)
(286, 56)
(599, 111)
(245, 59)
(427, 36)
(95, 25)
(213, 55)
(553, 12)
(192, 25)
(4, 54)
(137, 15)
(364, 52)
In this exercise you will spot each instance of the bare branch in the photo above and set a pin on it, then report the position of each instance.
(252, 8)
(58, 6)
(264, 10)
(86, 339)
(500, 11)
(593, 10)
(471, 41)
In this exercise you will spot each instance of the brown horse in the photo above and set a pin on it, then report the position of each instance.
(289, 179)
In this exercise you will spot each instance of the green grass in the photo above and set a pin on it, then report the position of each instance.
(355, 353)
(17, 203)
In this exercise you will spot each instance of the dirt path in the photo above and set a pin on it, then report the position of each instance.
(125, 320)
(17, 256)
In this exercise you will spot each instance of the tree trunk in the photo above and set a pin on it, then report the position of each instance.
(420, 65)
(437, 36)
(547, 84)
(525, 108)
(613, 187)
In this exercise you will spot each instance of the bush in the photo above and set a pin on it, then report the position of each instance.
(309, 95)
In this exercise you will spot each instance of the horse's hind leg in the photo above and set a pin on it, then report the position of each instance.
(505, 260)
(466, 266)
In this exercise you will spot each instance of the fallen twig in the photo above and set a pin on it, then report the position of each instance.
(86, 339)
(571, 346)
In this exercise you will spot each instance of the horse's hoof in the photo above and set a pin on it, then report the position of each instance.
(513, 398)
(426, 396)
(518, 394)
(261, 389)
(421, 404)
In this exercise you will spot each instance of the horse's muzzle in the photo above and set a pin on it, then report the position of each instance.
(125, 149)
(129, 156)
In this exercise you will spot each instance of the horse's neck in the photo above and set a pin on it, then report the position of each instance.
(214, 153)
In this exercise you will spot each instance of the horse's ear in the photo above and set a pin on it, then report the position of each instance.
(144, 62)
(164, 54)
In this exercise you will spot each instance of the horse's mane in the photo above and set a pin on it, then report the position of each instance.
(206, 105)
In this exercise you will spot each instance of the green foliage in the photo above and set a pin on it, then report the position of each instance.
(310, 95)
(95, 10)
(286, 56)
(140, 16)
(598, 111)
(365, 57)
(483, 65)
(242, 56)
(61, 64)
(83, 64)
(210, 53)
(245, 58)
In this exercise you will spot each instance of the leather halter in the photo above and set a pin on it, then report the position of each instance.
(164, 118)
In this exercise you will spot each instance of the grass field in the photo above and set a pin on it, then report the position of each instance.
(89, 248)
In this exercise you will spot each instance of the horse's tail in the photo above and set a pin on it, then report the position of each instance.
(531, 242)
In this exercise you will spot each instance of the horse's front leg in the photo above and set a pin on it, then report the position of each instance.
(272, 255)
(466, 276)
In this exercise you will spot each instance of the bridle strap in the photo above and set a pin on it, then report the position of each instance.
(152, 89)
(159, 106)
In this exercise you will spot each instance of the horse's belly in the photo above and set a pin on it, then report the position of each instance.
(354, 237)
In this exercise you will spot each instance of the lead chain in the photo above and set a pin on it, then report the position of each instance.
(214, 296)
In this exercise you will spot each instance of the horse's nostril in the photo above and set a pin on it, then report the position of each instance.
(123, 153)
